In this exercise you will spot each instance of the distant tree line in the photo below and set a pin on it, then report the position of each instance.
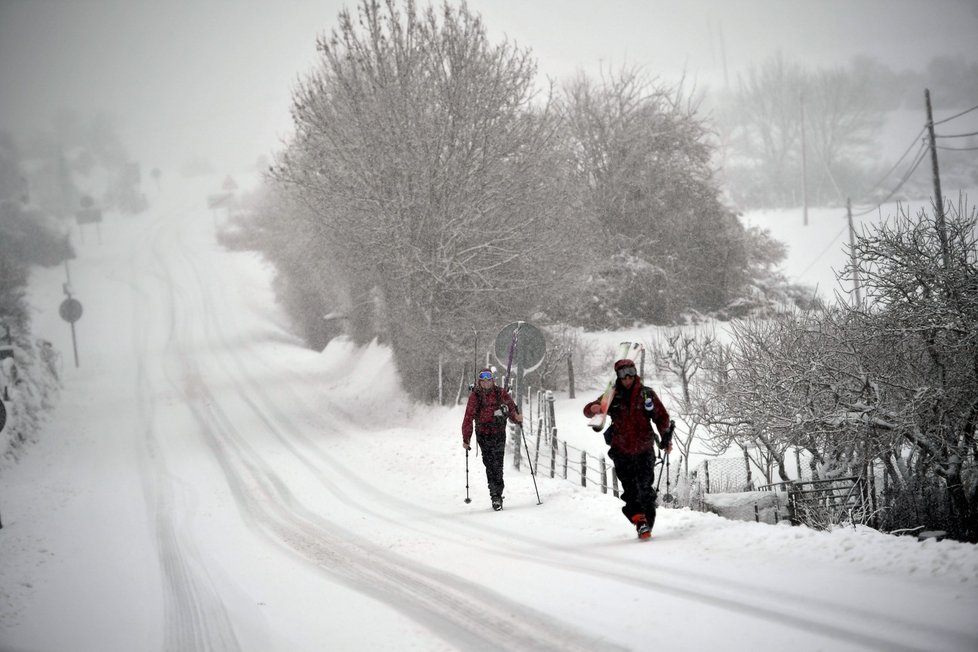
(780, 109)
(75, 157)
(431, 188)
(28, 237)
(42, 177)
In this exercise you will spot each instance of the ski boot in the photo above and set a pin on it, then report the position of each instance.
(497, 503)
(642, 526)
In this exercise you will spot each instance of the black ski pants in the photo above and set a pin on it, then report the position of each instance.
(637, 475)
(493, 447)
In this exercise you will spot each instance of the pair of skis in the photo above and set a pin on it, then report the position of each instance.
(626, 350)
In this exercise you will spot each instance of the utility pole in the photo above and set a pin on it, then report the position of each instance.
(852, 254)
(938, 197)
(64, 184)
(804, 174)
(67, 249)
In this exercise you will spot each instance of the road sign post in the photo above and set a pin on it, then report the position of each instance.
(71, 311)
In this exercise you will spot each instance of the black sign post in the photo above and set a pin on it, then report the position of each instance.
(71, 311)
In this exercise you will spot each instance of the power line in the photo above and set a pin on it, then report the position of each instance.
(922, 150)
(822, 253)
(921, 154)
(940, 122)
(919, 157)
(958, 149)
(916, 140)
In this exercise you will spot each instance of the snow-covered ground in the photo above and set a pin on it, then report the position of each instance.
(207, 483)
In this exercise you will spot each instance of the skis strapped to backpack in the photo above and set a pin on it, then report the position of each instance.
(625, 350)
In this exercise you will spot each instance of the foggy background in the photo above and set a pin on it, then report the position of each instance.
(209, 83)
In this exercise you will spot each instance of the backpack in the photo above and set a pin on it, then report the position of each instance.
(498, 421)
(646, 394)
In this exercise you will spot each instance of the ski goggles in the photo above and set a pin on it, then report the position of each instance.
(627, 371)
(485, 375)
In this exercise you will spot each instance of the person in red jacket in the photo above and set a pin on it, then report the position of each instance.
(633, 410)
(489, 406)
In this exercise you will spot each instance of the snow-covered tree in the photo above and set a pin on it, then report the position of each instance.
(782, 110)
(921, 279)
(892, 382)
(643, 157)
(433, 171)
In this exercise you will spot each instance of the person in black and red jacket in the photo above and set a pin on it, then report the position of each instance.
(633, 410)
(490, 406)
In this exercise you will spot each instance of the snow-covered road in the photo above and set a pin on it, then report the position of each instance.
(208, 484)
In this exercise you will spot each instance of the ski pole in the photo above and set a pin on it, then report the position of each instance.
(530, 464)
(467, 499)
(662, 462)
(668, 497)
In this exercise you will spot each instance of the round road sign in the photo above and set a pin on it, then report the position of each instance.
(531, 345)
(70, 310)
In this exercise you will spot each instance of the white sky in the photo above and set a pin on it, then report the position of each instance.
(207, 483)
(214, 77)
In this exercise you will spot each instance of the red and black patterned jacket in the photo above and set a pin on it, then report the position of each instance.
(481, 408)
(631, 424)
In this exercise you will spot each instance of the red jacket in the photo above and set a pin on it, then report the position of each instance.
(631, 424)
(481, 407)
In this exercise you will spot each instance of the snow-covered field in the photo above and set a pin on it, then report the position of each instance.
(208, 483)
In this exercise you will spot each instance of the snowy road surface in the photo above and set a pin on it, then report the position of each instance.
(208, 484)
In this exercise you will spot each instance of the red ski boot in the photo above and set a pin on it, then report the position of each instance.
(642, 526)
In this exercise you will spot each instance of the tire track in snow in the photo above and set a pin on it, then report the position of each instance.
(461, 612)
(456, 610)
(194, 616)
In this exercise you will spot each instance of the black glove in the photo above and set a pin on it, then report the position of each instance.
(667, 435)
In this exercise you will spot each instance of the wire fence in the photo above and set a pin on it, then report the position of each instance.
(818, 503)
(556, 458)
(553, 457)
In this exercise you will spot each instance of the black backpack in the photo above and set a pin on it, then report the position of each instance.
(498, 420)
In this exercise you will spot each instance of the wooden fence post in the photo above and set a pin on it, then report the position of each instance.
(604, 476)
(583, 468)
(550, 410)
(792, 512)
(706, 472)
(517, 450)
(553, 453)
(536, 453)
(565, 460)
